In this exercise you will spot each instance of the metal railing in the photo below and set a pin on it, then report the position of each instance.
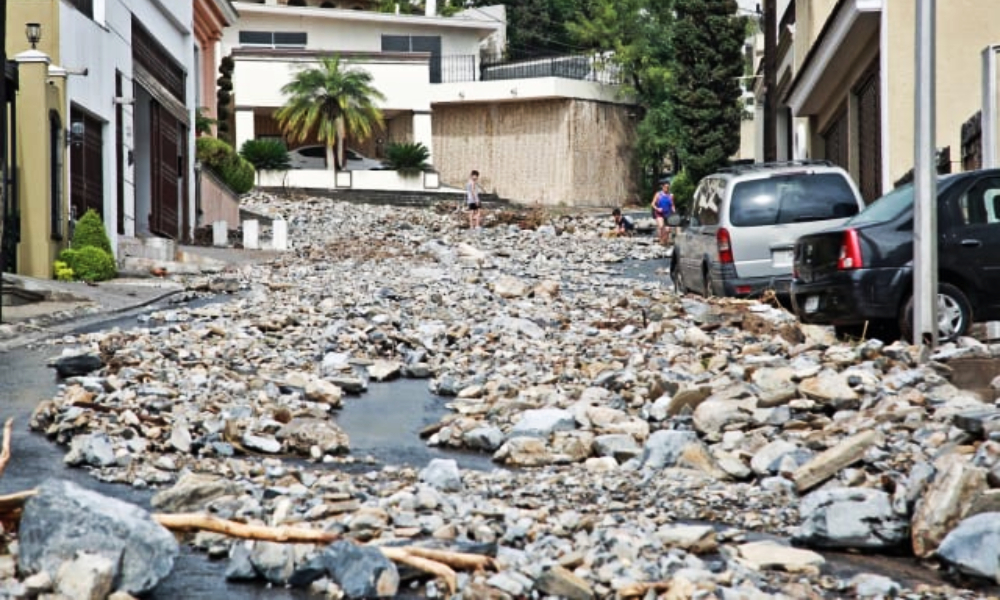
(582, 67)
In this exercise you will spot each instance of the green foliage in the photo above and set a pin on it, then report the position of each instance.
(266, 155)
(89, 263)
(331, 101)
(203, 124)
(219, 157)
(705, 91)
(682, 188)
(62, 271)
(538, 27)
(89, 231)
(408, 158)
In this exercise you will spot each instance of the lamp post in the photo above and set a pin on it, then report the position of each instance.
(925, 242)
(33, 31)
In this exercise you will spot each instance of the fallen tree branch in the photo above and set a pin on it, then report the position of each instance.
(13, 502)
(403, 556)
(203, 522)
(5, 453)
(457, 560)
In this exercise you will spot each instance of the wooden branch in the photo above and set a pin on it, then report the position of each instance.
(5, 453)
(13, 502)
(203, 522)
(403, 556)
(457, 560)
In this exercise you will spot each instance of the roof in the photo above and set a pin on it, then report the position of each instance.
(484, 26)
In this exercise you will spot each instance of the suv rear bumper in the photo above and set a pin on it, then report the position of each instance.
(848, 297)
(755, 286)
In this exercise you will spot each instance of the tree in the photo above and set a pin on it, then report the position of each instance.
(333, 101)
(638, 34)
(705, 90)
(538, 27)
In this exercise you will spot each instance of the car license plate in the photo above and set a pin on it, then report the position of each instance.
(781, 258)
(812, 304)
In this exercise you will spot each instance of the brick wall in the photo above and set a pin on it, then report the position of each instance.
(551, 152)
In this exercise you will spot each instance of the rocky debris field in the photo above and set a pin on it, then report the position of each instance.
(646, 445)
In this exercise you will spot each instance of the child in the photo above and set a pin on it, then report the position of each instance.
(623, 225)
(472, 203)
(663, 206)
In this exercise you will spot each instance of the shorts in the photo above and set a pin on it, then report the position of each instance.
(472, 206)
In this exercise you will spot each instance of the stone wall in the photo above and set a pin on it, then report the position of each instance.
(550, 152)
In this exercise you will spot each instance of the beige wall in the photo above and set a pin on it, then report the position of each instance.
(810, 15)
(551, 152)
(964, 28)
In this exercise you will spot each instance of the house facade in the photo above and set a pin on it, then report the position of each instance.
(537, 132)
(845, 76)
(108, 101)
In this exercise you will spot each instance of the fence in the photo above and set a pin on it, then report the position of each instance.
(586, 67)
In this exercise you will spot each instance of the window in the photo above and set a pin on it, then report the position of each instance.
(981, 204)
(84, 6)
(707, 199)
(56, 146)
(274, 39)
(417, 43)
(791, 199)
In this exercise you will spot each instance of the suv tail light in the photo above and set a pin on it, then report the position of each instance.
(725, 245)
(850, 252)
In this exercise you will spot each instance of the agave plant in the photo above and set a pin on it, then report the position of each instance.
(408, 158)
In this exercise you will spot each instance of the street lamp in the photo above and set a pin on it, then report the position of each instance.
(33, 31)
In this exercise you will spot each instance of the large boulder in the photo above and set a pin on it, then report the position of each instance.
(850, 518)
(974, 546)
(946, 502)
(361, 571)
(64, 519)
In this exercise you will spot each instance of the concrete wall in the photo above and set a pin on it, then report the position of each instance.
(964, 28)
(218, 203)
(552, 152)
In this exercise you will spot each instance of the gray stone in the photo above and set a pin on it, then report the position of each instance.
(301, 434)
(946, 502)
(76, 364)
(239, 567)
(860, 518)
(94, 449)
(86, 577)
(487, 438)
(562, 583)
(273, 560)
(542, 423)
(192, 492)
(664, 448)
(442, 474)
(765, 461)
(973, 547)
(361, 571)
(619, 446)
(869, 585)
(261, 443)
(65, 518)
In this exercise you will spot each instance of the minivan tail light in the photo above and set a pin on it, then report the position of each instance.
(725, 244)
(850, 252)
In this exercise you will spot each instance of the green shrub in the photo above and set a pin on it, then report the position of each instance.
(266, 155)
(62, 271)
(89, 231)
(682, 189)
(408, 158)
(221, 159)
(89, 263)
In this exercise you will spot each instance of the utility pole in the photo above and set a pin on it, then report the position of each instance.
(925, 242)
(770, 81)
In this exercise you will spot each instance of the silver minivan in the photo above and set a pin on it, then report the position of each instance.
(738, 237)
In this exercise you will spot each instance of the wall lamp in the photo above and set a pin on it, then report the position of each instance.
(74, 135)
(33, 31)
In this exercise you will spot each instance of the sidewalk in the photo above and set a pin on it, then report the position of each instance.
(34, 308)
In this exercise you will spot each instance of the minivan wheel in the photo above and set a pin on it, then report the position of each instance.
(954, 314)
(706, 278)
(677, 276)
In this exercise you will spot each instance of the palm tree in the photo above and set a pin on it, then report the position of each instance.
(333, 100)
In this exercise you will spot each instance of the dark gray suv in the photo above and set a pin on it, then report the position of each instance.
(739, 235)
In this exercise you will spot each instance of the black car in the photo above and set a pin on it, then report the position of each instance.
(862, 271)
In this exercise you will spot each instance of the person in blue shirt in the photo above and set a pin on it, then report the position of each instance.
(663, 206)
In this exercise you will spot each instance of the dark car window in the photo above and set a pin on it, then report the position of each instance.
(797, 198)
(313, 151)
(980, 205)
(893, 204)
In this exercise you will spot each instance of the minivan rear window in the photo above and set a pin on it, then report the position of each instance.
(792, 198)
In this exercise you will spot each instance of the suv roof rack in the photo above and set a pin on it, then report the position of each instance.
(743, 168)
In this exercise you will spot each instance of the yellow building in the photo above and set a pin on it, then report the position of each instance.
(37, 218)
(844, 79)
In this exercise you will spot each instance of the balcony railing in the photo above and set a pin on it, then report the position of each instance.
(592, 67)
